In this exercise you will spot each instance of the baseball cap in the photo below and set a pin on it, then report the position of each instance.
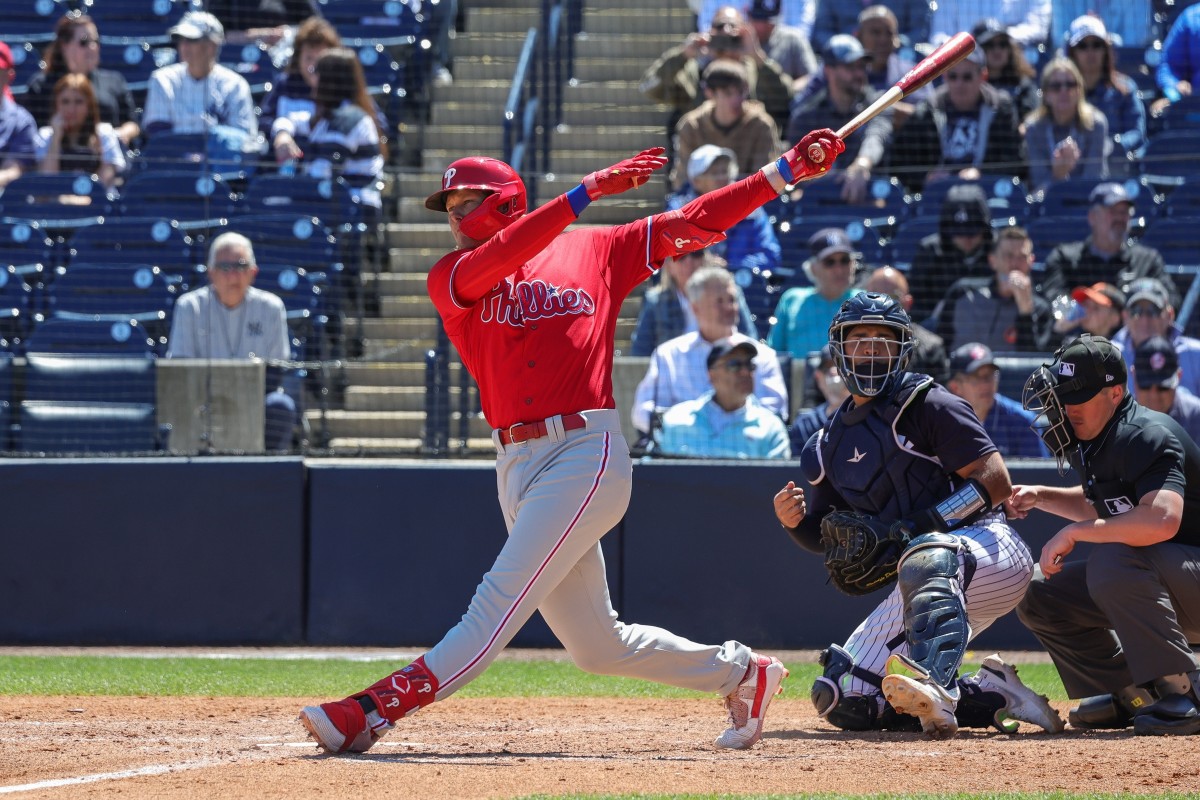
(723, 347)
(970, 357)
(1109, 194)
(1104, 294)
(6, 57)
(1150, 290)
(1086, 365)
(763, 9)
(828, 241)
(1086, 26)
(964, 211)
(1155, 363)
(977, 57)
(987, 29)
(702, 159)
(843, 48)
(199, 25)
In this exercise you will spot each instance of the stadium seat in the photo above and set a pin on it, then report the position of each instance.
(32, 18)
(135, 57)
(1015, 369)
(58, 201)
(1049, 232)
(761, 290)
(302, 295)
(16, 309)
(55, 377)
(1176, 237)
(885, 198)
(794, 236)
(196, 152)
(197, 201)
(1183, 201)
(1007, 196)
(59, 335)
(142, 18)
(115, 292)
(1170, 158)
(6, 401)
(1071, 198)
(904, 244)
(27, 56)
(139, 240)
(376, 17)
(80, 427)
(27, 247)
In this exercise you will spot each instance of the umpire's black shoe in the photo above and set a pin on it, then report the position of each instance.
(1173, 715)
(1101, 712)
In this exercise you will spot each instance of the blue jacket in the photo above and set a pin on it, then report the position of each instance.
(1181, 54)
(1008, 426)
(1125, 113)
(662, 317)
(750, 243)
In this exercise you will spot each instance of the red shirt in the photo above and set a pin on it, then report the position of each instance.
(533, 311)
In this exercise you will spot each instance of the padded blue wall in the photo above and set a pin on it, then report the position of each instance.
(158, 551)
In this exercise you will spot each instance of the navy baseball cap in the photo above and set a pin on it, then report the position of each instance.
(987, 29)
(1109, 194)
(970, 357)
(723, 347)
(1155, 363)
(828, 241)
(763, 9)
(1086, 365)
(843, 48)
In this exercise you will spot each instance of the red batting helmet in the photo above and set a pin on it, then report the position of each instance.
(504, 206)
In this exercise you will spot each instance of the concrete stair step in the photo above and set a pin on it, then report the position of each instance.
(389, 398)
(485, 67)
(481, 44)
(389, 424)
(397, 351)
(582, 116)
(407, 307)
(604, 68)
(376, 374)
(507, 19)
(423, 236)
(417, 260)
(390, 284)
(646, 19)
(467, 139)
(642, 46)
(409, 328)
(456, 113)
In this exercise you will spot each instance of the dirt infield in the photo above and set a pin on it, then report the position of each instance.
(251, 747)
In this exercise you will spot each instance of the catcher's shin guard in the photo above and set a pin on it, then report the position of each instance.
(856, 712)
(401, 693)
(935, 619)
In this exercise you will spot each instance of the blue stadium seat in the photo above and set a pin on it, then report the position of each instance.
(144, 18)
(867, 238)
(375, 17)
(135, 57)
(885, 198)
(1176, 237)
(16, 309)
(761, 290)
(90, 378)
(27, 56)
(1007, 196)
(904, 244)
(1170, 157)
(302, 294)
(59, 200)
(1049, 232)
(198, 201)
(32, 18)
(6, 401)
(1070, 198)
(195, 152)
(139, 240)
(1183, 201)
(1015, 369)
(80, 427)
(115, 293)
(28, 247)
(58, 335)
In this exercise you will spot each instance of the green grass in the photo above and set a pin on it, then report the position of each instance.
(262, 677)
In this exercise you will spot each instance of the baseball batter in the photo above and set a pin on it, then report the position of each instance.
(533, 314)
(915, 463)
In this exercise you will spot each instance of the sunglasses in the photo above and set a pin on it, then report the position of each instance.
(87, 41)
(1153, 313)
(241, 265)
(1059, 86)
(1090, 44)
(843, 261)
(738, 364)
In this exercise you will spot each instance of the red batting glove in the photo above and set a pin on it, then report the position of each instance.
(629, 174)
(813, 156)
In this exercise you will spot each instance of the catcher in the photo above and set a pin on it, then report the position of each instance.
(904, 488)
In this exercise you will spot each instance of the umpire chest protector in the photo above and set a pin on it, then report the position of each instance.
(874, 468)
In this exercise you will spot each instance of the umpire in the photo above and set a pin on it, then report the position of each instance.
(1117, 621)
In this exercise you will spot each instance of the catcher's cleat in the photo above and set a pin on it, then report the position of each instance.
(341, 727)
(1021, 703)
(910, 690)
(747, 705)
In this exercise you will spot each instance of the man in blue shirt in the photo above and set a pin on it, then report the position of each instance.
(1156, 374)
(975, 377)
(18, 131)
(1148, 313)
(803, 315)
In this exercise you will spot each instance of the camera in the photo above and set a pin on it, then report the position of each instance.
(724, 41)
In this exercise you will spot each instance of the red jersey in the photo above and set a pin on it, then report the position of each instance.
(533, 311)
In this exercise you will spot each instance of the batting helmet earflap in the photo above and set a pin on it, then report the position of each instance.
(504, 206)
(868, 376)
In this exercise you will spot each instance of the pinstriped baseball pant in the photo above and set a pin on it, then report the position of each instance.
(560, 494)
(1003, 568)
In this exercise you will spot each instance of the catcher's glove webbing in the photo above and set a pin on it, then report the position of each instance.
(861, 551)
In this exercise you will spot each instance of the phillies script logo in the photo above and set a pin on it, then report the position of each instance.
(536, 299)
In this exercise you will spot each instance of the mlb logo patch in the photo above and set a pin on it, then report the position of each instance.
(1066, 368)
(1118, 505)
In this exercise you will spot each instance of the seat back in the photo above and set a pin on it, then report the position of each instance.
(60, 196)
(330, 200)
(72, 377)
(1177, 238)
(138, 240)
(80, 427)
(376, 17)
(63, 335)
(32, 18)
(885, 198)
(178, 194)
(115, 293)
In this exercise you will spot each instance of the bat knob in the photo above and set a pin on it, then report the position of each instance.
(816, 154)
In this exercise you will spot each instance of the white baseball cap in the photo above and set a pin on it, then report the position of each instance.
(702, 159)
(199, 25)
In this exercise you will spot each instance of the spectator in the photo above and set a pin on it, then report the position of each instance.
(1007, 68)
(912, 19)
(727, 119)
(76, 140)
(1002, 311)
(833, 393)
(1149, 313)
(797, 14)
(975, 378)
(286, 112)
(677, 369)
(198, 94)
(804, 312)
(1156, 375)
(787, 46)
(1130, 23)
(76, 51)
(346, 140)
(842, 94)
(265, 21)
(1028, 21)
(726, 421)
(1179, 70)
(879, 32)
(1113, 93)
(230, 318)
(1098, 310)
(965, 129)
(18, 131)
(674, 79)
(666, 312)
(959, 249)
(1106, 256)
(1066, 137)
(929, 349)
(752, 242)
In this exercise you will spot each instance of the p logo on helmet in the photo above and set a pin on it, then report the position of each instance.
(504, 205)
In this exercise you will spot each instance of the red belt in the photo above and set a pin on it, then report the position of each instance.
(526, 431)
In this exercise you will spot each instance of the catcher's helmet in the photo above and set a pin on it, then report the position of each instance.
(870, 366)
(504, 206)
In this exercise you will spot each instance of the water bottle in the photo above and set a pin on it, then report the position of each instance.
(288, 168)
(1067, 313)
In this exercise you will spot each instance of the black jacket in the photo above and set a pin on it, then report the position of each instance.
(1074, 264)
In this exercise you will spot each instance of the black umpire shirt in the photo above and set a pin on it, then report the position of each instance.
(1076, 264)
(1138, 452)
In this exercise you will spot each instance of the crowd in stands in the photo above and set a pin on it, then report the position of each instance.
(1029, 172)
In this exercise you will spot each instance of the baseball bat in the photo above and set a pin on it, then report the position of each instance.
(952, 51)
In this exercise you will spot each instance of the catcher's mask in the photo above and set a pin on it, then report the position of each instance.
(1051, 422)
(503, 206)
(868, 366)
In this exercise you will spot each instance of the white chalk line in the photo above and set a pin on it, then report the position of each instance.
(141, 772)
